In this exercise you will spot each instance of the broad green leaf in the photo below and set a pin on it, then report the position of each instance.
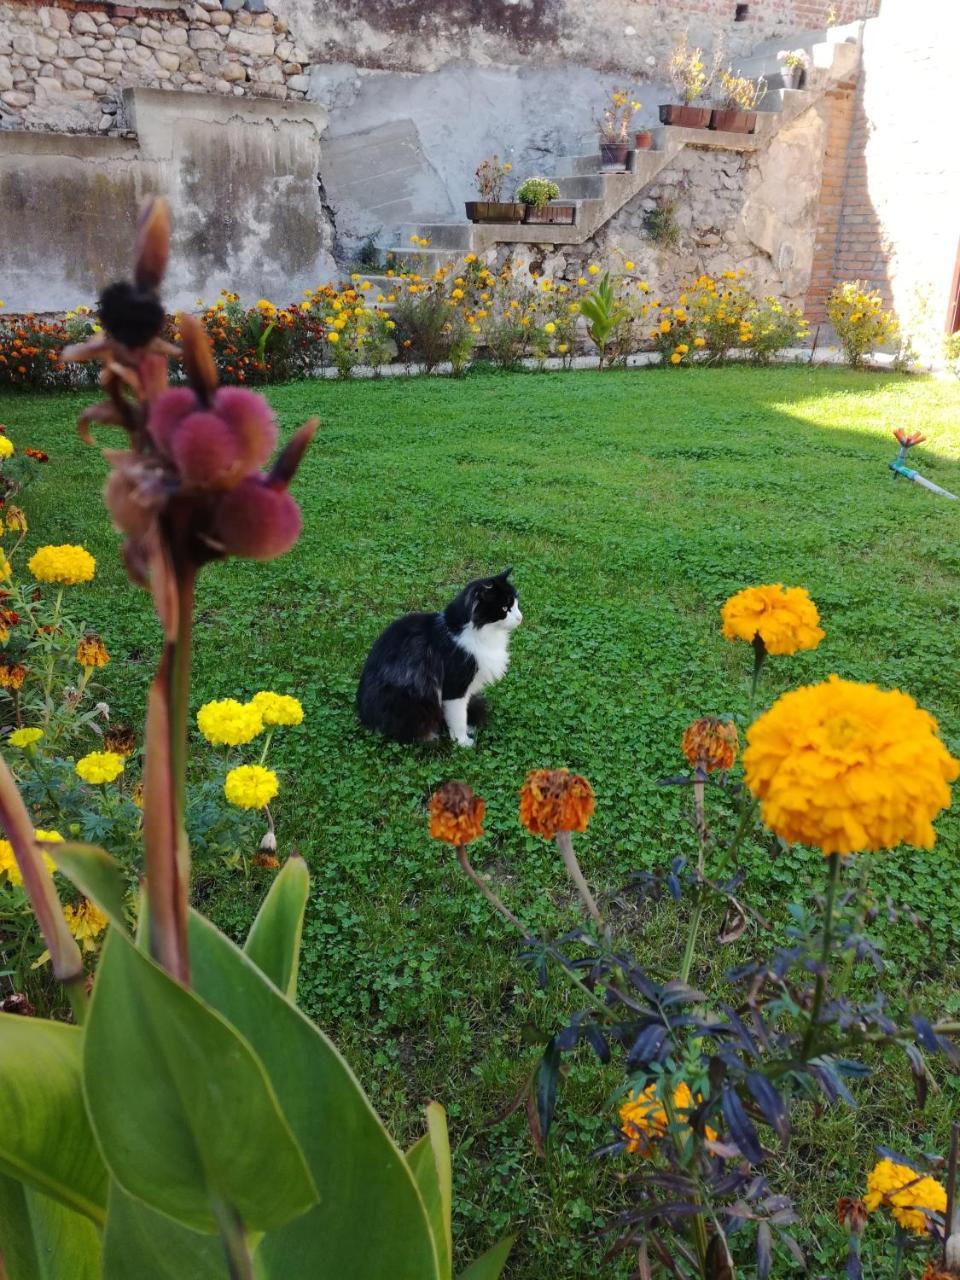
(96, 875)
(429, 1161)
(370, 1223)
(139, 1242)
(45, 1136)
(491, 1265)
(182, 1108)
(273, 943)
(40, 1239)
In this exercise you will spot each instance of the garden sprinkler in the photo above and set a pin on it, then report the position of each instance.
(899, 465)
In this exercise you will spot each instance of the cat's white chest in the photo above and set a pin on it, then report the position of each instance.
(489, 647)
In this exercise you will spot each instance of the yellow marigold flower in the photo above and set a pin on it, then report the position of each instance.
(471, 257)
(593, 269)
(785, 618)
(277, 708)
(250, 786)
(628, 265)
(86, 922)
(699, 342)
(562, 348)
(91, 652)
(675, 358)
(905, 1193)
(12, 674)
(553, 800)
(456, 293)
(6, 447)
(665, 326)
(549, 327)
(683, 348)
(456, 814)
(229, 723)
(849, 767)
(711, 743)
(644, 1121)
(573, 308)
(581, 280)
(8, 862)
(98, 767)
(66, 565)
(24, 738)
(333, 336)
(16, 519)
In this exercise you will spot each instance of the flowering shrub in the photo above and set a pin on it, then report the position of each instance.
(490, 177)
(739, 92)
(713, 1076)
(689, 70)
(30, 350)
(537, 191)
(861, 324)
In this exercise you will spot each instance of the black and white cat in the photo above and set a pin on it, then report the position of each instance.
(427, 669)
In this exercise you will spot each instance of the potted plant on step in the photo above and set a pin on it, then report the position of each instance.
(490, 177)
(738, 100)
(794, 65)
(614, 126)
(692, 77)
(643, 139)
(537, 195)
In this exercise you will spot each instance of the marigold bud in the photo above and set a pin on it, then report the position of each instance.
(711, 743)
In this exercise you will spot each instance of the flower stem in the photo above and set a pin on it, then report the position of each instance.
(901, 1241)
(821, 986)
(687, 963)
(565, 845)
(488, 893)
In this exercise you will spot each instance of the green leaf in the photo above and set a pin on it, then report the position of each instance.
(96, 875)
(139, 1242)
(490, 1266)
(39, 1238)
(45, 1136)
(370, 1220)
(429, 1161)
(182, 1108)
(273, 943)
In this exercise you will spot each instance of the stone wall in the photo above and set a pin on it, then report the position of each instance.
(240, 174)
(63, 67)
(894, 180)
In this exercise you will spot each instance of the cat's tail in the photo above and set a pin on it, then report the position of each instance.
(477, 711)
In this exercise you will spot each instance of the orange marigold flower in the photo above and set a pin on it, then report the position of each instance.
(644, 1120)
(785, 618)
(120, 739)
(264, 858)
(553, 800)
(711, 743)
(37, 454)
(456, 814)
(12, 675)
(91, 651)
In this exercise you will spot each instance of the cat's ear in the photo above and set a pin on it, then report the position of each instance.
(506, 573)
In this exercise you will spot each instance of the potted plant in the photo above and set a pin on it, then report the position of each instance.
(643, 139)
(537, 195)
(614, 126)
(691, 78)
(490, 176)
(794, 64)
(739, 98)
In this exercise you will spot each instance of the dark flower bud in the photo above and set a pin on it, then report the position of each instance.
(130, 315)
(256, 521)
(206, 452)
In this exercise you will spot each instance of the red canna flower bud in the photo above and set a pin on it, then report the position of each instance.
(213, 447)
(257, 521)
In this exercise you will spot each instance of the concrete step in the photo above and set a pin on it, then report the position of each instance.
(586, 186)
(442, 235)
(847, 33)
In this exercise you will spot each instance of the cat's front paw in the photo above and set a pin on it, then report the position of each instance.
(465, 741)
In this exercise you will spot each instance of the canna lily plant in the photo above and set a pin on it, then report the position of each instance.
(191, 1121)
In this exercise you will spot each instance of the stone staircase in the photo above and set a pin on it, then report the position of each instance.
(599, 194)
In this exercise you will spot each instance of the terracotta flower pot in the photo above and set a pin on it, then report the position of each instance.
(613, 155)
(686, 116)
(733, 120)
(494, 210)
(643, 140)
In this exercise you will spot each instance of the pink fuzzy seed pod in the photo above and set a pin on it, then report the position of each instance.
(256, 521)
(252, 422)
(207, 452)
(166, 414)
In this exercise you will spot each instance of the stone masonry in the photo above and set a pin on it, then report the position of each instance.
(63, 67)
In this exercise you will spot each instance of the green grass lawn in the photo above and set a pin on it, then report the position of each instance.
(630, 505)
